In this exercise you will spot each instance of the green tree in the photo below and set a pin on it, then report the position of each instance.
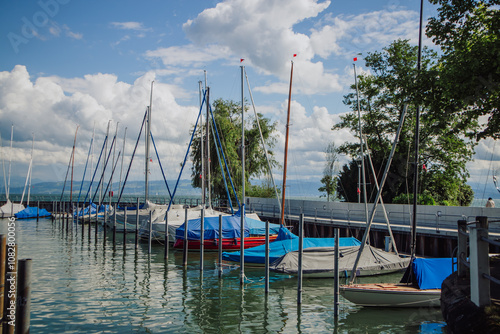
(227, 116)
(329, 172)
(383, 94)
(468, 33)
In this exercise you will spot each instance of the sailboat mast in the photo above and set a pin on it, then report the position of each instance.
(361, 151)
(417, 140)
(72, 167)
(202, 152)
(10, 158)
(282, 221)
(242, 211)
(207, 146)
(148, 141)
(30, 169)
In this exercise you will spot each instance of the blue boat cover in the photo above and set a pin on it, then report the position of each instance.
(31, 212)
(230, 228)
(430, 273)
(284, 243)
(92, 208)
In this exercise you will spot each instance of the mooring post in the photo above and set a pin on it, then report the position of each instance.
(220, 246)
(90, 219)
(301, 250)
(185, 243)
(67, 205)
(125, 229)
(114, 224)
(482, 222)
(53, 210)
(165, 255)
(105, 226)
(137, 224)
(479, 267)
(23, 297)
(150, 223)
(266, 285)
(462, 248)
(96, 222)
(336, 273)
(37, 210)
(202, 237)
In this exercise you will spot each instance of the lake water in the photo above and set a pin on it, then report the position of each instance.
(80, 286)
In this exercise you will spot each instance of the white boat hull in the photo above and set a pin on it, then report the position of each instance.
(391, 295)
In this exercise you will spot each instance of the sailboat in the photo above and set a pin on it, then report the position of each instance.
(30, 212)
(177, 214)
(413, 291)
(148, 208)
(285, 243)
(9, 208)
(238, 230)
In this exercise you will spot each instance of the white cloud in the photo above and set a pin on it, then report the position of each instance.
(139, 26)
(51, 107)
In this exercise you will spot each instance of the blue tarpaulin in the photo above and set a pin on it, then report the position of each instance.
(430, 273)
(230, 228)
(92, 208)
(284, 243)
(31, 212)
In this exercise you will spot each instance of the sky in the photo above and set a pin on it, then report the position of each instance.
(89, 65)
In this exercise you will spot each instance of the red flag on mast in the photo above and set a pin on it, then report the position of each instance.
(355, 58)
(241, 60)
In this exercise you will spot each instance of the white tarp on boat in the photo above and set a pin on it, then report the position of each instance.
(157, 214)
(319, 262)
(176, 217)
(9, 209)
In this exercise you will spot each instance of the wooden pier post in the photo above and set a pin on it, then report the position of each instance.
(114, 224)
(462, 248)
(301, 251)
(137, 224)
(23, 297)
(479, 267)
(90, 219)
(185, 243)
(150, 231)
(165, 255)
(220, 246)
(38, 211)
(202, 238)
(336, 273)
(96, 222)
(105, 226)
(266, 261)
(125, 229)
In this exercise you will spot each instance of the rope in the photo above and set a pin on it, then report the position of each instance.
(159, 162)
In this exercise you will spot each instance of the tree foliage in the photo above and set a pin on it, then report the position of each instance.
(393, 84)
(328, 179)
(227, 116)
(468, 32)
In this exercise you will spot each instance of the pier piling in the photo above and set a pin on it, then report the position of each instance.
(23, 297)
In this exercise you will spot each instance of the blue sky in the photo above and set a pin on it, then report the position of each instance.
(67, 62)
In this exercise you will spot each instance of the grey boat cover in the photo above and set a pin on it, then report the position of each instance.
(9, 209)
(319, 262)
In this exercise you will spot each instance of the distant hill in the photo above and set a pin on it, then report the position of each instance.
(295, 188)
